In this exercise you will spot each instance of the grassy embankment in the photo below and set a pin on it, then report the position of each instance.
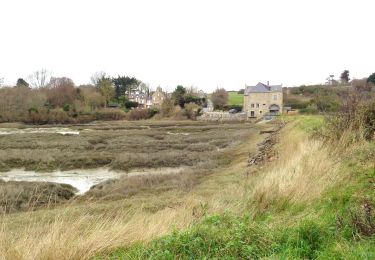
(234, 98)
(316, 201)
(139, 208)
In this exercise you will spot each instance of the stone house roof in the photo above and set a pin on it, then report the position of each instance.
(262, 88)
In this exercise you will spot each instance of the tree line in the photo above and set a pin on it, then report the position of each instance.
(42, 98)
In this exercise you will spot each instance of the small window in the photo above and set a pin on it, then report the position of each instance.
(252, 105)
(260, 111)
(264, 104)
(257, 104)
(274, 97)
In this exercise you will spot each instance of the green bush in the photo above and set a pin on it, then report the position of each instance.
(130, 104)
(66, 107)
(296, 103)
(310, 109)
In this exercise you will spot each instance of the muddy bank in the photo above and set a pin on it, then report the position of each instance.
(81, 179)
(51, 130)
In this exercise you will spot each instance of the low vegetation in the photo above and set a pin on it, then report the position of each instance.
(120, 145)
(312, 198)
(113, 215)
(27, 196)
(315, 99)
(312, 203)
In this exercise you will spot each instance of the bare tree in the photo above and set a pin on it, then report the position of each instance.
(40, 78)
(219, 98)
(97, 77)
(192, 91)
(60, 91)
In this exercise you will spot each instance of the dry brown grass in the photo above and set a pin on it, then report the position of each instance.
(305, 169)
(84, 236)
(303, 172)
(80, 231)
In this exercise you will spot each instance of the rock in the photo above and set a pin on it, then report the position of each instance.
(266, 151)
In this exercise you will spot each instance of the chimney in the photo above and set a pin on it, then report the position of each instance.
(268, 83)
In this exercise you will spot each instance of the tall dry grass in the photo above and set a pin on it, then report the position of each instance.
(305, 169)
(83, 236)
(81, 231)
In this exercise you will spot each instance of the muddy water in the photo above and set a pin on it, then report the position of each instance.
(51, 130)
(82, 180)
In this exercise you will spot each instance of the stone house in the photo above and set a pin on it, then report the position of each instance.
(262, 99)
(145, 100)
(158, 97)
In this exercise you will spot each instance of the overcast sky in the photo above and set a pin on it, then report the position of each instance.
(203, 43)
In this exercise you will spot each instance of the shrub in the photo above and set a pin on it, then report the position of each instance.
(140, 114)
(110, 114)
(66, 107)
(371, 78)
(191, 110)
(167, 108)
(48, 116)
(354, 120)
(310, 109)
(296, 103)
(219, 98)
(131, 104)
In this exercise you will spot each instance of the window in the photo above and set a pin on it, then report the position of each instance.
(274, 97)
(257, 104)
(260, 111)
(264, 104)
(252, 105)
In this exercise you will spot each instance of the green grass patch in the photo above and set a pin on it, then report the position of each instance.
(234, 98)
(305, 123)
(230, 237)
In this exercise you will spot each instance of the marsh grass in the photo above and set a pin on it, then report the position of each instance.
(28, 196)
(119, 146)
(286, 209)
(137, 208)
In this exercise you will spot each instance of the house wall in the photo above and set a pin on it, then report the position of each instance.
(260, 102)
(158, 97)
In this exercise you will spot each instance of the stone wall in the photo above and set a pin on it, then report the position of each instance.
(222, 117)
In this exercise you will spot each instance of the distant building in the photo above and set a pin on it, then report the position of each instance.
(158, 97)
(143, 100)
(146, 100)
(262, 99)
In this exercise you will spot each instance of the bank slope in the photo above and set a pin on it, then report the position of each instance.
(313, 202)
